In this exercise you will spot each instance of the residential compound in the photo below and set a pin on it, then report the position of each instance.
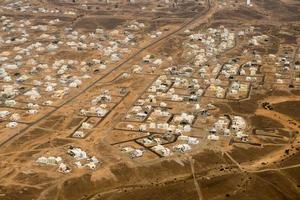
(114, 94)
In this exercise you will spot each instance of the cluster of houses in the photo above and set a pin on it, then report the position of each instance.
(135, 26)
(99, 108)
(81, 132)
(165, 88)
(161, 127)
(82, 160)
(229, 126)
(287, 67)
(285, 60)
(204, 45)
(186, 85)
(153, 114)
(13, 118)
(8, 93)
(30, 73)
(238, 90)
(29, 7)
(214, 78)
(258, 39)
(52, 160)
(173, 129)
(217, 91)
(158, 145)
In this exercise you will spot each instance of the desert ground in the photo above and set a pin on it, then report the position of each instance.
(146, 100)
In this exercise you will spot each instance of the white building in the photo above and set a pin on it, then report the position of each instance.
(164, 151)
(182, 148)
(213, 137)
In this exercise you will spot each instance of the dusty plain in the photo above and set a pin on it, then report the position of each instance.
(136, 85)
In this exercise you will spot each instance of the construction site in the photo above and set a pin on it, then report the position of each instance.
(149, 99)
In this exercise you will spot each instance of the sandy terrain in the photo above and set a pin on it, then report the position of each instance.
(137, 68)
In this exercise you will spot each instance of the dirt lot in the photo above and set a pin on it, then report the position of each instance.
(290, 108)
